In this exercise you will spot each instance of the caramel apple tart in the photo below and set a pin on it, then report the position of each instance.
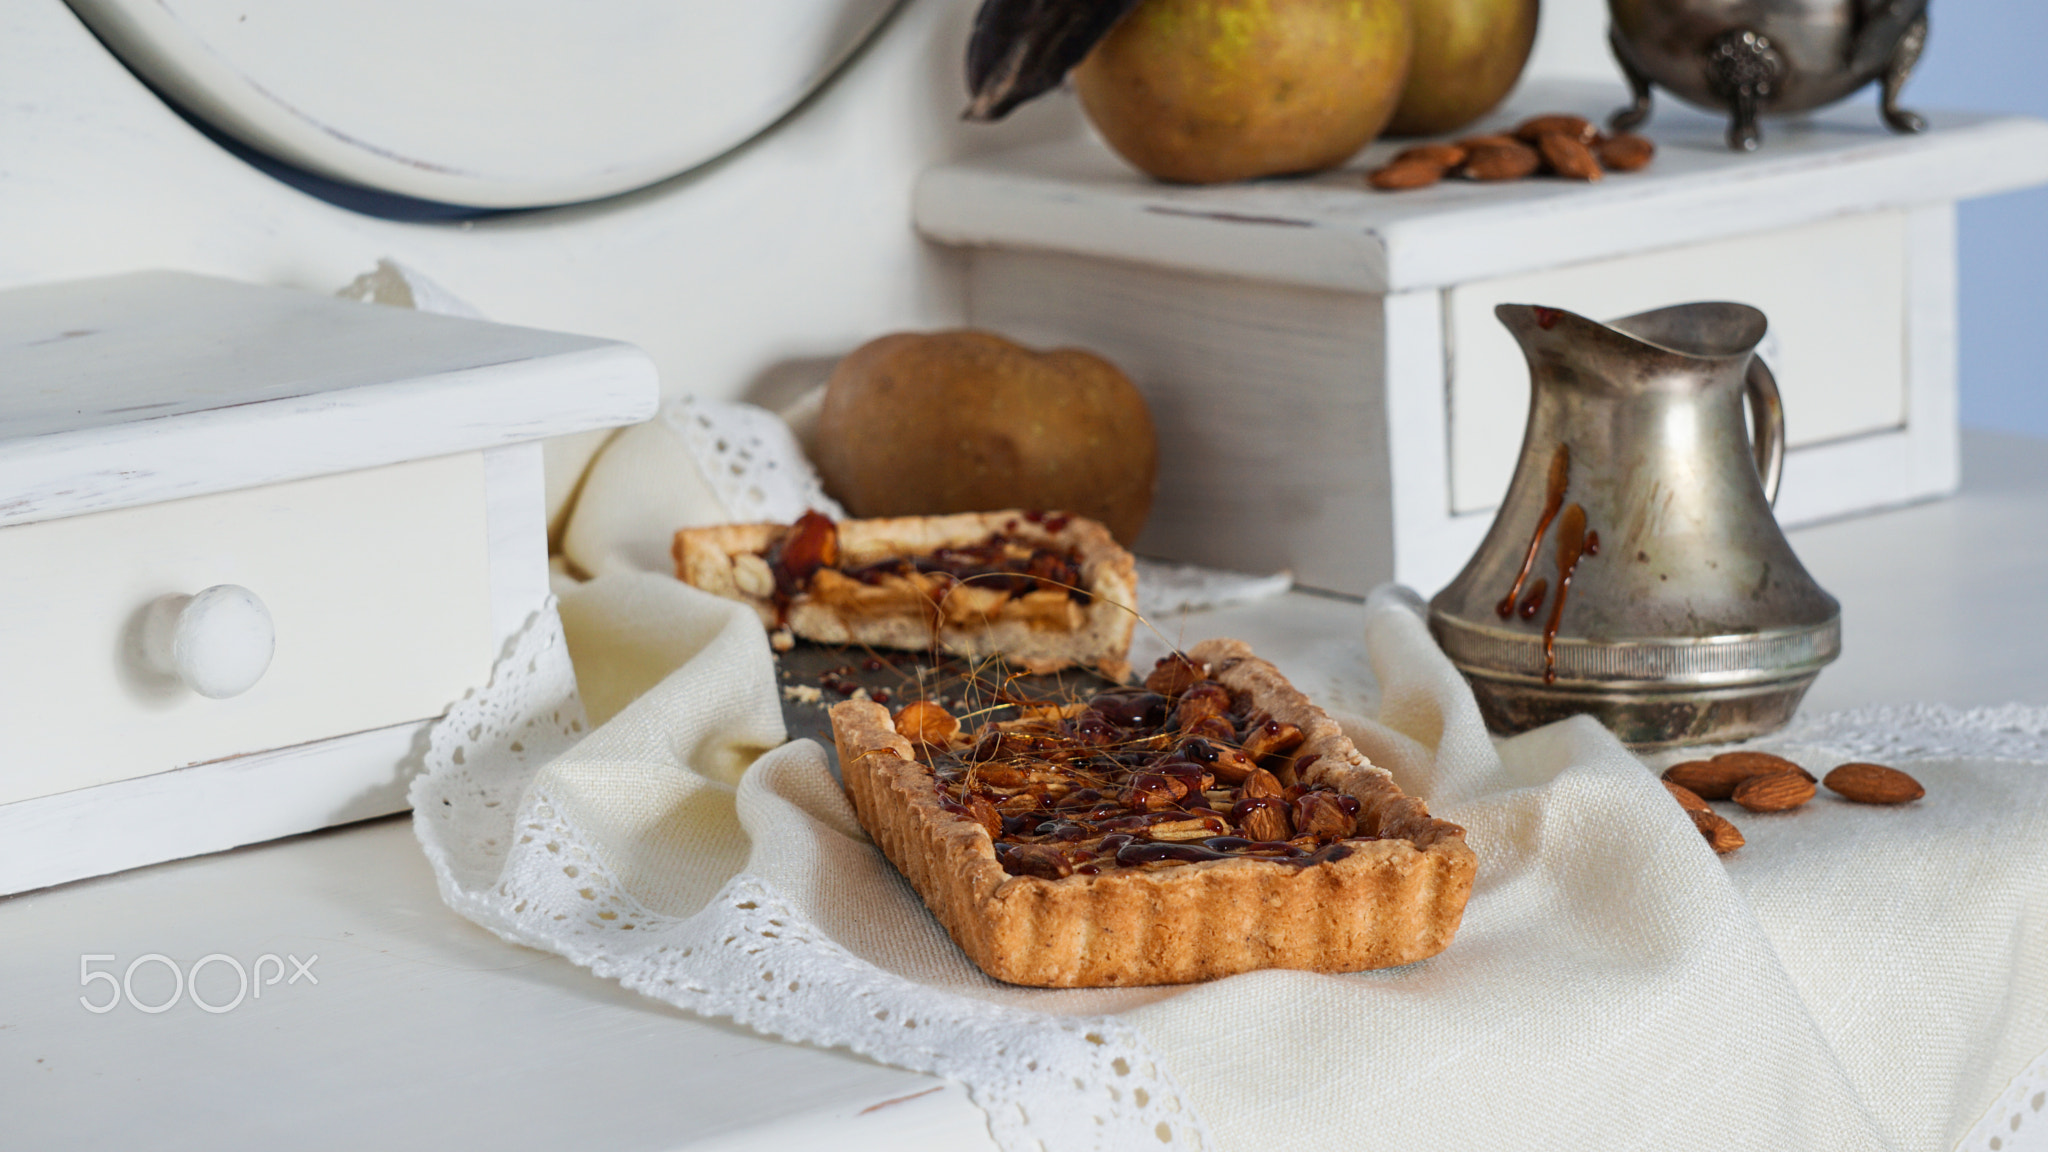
(1044, 591)
(1210, 822)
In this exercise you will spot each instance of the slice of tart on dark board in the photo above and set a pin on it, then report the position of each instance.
(1039, 591)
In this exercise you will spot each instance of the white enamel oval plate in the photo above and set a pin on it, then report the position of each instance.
(490, 103)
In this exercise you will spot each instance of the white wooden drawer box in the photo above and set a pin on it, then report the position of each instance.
(1333, 393)
(370, 476)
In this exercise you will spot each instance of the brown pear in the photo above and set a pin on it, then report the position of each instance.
(1468, 54)
(1206, 91)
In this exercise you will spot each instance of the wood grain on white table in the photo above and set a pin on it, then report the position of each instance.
(426, 1032)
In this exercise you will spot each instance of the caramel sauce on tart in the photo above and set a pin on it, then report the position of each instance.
(1179, 771)
(998, 568)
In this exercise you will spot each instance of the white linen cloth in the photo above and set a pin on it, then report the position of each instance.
(1854, 978)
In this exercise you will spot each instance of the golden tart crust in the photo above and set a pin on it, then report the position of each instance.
(1390, 901)
(1041, 631)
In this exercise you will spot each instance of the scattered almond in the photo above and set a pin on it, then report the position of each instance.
(1722, 836)
(1627, 152)
(1707, 779)
(1568, 156)
(1569, 146)
(1686, 797)
(1441, 155)
(1757, 763)
(1405, 174)
(1509, 161)
(1577, 128)
(1774, 792)
(1874, 784)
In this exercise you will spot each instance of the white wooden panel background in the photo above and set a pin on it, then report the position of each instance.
(507, 103)
(1267, 398)
(797, 247)
(378, 583)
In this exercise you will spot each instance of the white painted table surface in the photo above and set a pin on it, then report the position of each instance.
(1330, 231)
(426, 1032)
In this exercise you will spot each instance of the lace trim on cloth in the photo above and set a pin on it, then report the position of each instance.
(1926, 731)
(2018, 1120)
(505, 858)
(750, 459)
(1165, 588)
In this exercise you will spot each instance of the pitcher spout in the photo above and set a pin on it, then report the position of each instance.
(1713, 330)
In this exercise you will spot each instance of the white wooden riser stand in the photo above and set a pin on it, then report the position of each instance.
(1322, 359)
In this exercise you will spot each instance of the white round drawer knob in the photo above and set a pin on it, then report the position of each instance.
(217, 643)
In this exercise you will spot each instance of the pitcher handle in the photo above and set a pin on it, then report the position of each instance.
(1767, 426)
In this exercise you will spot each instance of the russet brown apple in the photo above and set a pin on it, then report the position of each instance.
(967, 421)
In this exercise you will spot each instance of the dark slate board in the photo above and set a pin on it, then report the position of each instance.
(950, 680)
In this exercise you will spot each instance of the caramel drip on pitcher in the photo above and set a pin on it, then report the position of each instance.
(1574, 543)
(1560, 476)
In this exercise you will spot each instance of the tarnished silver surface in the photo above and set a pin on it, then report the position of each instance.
(1758, 57)
(1693, 622)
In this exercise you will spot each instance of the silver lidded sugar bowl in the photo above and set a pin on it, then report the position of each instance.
(1751, 57)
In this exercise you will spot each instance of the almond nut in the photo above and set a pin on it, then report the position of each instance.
(1774, 792)
(1576, 128)
(1322, 815)
(1874, 784)
(1568, 157)
(1041, 860)
(1272, 738)
(1627, 152)
(1509, 161)
(1266, 822)
(984, 813)
(1722, 836)
(1708, 779)
(1686, 797)
(1441, 155)
(1174, 675)
(926, 722)
(1180, 831)
(1758, 763)
(1261, 783)
(1402, 175)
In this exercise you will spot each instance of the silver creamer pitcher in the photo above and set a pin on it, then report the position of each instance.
(1634, 571)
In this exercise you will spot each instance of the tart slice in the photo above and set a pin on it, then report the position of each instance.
(1044, 592)
(1212, 822)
